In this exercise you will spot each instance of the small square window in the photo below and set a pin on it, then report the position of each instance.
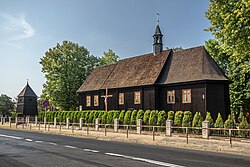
(137, 97)
(96, 100)
(171, 97)
(186, 96)
(121, 98)
(88, 101)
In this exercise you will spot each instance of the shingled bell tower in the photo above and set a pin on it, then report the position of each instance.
(27, 102)
(157, 46)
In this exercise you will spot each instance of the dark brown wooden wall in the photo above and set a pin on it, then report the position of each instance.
(27, 106)
(147, 99)
(218, 99)
(197, 101)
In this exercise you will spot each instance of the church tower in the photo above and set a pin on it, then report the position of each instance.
(157, 46)
(27, 102)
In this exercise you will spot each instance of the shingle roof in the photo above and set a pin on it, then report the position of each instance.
(27, 92)
(136, 71)
(97, 78)
(192, 64)
(169, 67)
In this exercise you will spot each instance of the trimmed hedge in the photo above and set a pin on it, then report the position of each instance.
(153, 118)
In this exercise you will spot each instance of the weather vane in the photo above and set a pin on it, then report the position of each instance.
(158, 15)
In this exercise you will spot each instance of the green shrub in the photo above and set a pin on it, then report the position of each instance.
(219, 123)
(104, 116)
(121, 116)
(91, 117)
(209, 119)
(240, 117)
(153, 118)
(116, 114)
(133, 117)
(229, 122)
(178, 118)
(170, 115)
(146, 117)
(127, 117)
(187, 119)
(109, 118)
(244, 125)
(197, 121)
(100, 113)
(162, 116)
(140, 114)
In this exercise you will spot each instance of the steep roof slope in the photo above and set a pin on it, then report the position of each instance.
(192, 64)
(27, 92)
(136, 71)
(168, 67)
(97, 78)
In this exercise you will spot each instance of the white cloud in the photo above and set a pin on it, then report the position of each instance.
(16, 28)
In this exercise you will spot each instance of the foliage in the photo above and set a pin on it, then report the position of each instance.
(153, 117)
(116, 114)
(146, 117)
(175, 49)
(178, 118)
(162, 117)
(244, 124)
(240, 117)
(65, 66)
(133, 117)
(127, 117)
(219, 123)
(6, 105)
(109, 119)
(171, 115)
(229, 122)
(209, 119)
(230, 25)
(140, 115)
(197, 121)
(104, 117)
(187, 119)
(121, 116)
(108, 57)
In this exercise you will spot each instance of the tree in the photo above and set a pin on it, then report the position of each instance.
(197, 121)
(219, 122)
(108, 57)
(65, 66)
(230, 25)
(187, 119)
(178, 118)
(209, 119)
(6, 105)
(170, 115)
(175, 49)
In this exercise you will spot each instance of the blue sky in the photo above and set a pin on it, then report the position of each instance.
(29, 28)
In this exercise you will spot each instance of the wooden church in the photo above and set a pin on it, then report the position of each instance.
(187, 80)
(27, 102)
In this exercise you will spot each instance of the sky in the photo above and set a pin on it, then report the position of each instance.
(29, 28)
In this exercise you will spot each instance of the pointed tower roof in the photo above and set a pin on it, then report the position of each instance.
(27, 91)
(158, 31)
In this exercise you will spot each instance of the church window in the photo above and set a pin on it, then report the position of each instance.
(88, 101)
(137, 97)
(186, 96)
(171, 97)
(96, 100)
(121, 98)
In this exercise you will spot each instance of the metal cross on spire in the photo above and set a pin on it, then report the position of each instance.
(158, 18)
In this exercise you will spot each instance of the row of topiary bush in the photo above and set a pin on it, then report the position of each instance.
(153, 118)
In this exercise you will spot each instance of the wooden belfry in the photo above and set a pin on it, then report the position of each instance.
(106, 96)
